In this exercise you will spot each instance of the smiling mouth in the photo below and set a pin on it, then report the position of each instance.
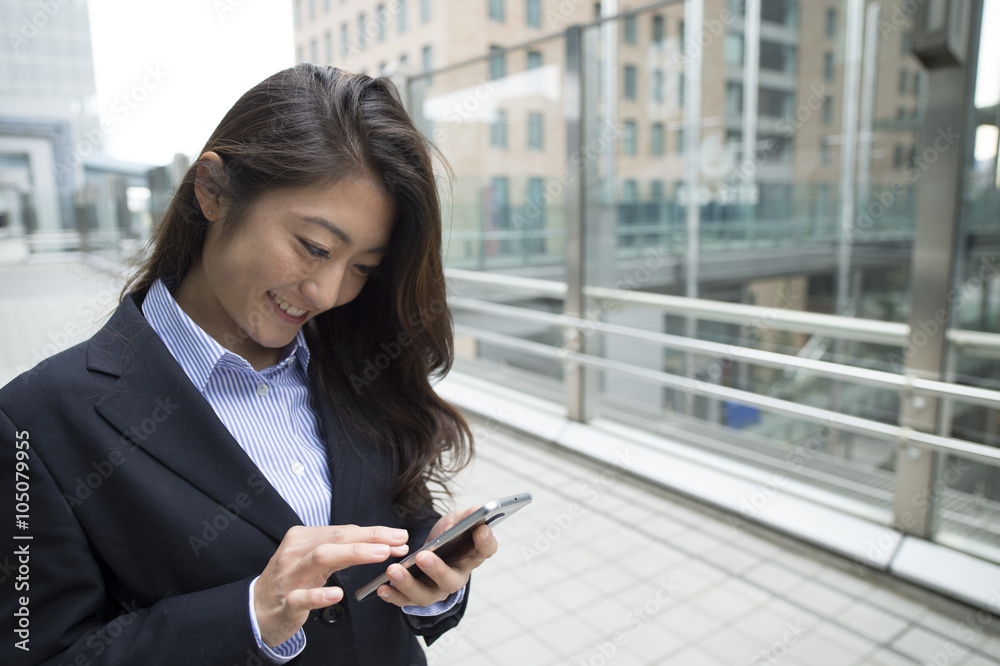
(285, 306)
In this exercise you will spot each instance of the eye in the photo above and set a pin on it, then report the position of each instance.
(366, 271)
(317, 252)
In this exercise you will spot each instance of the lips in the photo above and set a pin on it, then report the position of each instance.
(286, 307)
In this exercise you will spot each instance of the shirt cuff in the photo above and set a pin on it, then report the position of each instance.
(438, 607)
(283, 653)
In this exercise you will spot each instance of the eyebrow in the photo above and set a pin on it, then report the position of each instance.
(337, 231)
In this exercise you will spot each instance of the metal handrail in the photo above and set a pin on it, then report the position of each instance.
(879, 378)
(848, 328)
(899, 435)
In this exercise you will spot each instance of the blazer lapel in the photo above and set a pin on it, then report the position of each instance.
(154, 404)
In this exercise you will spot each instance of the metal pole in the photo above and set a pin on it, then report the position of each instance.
(693, 18)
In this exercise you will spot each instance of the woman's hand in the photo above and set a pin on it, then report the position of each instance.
(292, 583)
(445, 578)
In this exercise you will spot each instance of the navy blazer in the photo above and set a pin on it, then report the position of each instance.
(147, 520)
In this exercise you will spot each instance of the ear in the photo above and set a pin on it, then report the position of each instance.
(209, 178)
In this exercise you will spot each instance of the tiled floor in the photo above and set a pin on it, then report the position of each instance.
(600, 569)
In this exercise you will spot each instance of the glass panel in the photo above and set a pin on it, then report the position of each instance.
(500, 124)
(968, 515)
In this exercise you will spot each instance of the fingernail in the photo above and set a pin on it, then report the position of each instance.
(398, 534)
(380, 550)
(331, 595)
(395, 574)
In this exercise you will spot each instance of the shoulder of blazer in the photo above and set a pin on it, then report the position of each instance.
(113, 348)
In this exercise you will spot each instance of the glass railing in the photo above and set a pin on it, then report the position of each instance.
(604, 178)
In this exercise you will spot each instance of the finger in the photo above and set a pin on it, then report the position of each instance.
(369, 534)
(419, 594)
(330, 557)
(445, 577)
(390, 594)
(316, 597)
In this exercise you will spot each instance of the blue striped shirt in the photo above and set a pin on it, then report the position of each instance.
(269, 413)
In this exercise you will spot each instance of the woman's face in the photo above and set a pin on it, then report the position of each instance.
(299, 252)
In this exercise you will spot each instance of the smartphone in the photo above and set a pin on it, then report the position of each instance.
(453, 543)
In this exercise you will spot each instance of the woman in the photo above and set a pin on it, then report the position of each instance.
(252, 434)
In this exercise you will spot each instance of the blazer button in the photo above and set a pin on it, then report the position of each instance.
(333, 614)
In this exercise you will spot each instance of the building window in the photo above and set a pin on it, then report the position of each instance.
(828, 66)
(297, 13)
(361, 31)
(631, 29)
(656, 139)
(535, 212)
(777, 57)
(659, 30)
(734, 49)
(681, 141)
(535, 128)
(680, 89)
(827, 110)
(496, 10)
(382, 67)
(326, 6)
(533, 11)
(831, 22)
(343, 40)
(328, 42)
(500, 203)
(534, 59)
(658, 85)
(404, 60)
(313, 51)
(905, 44)
(656, 190)
(425, 10)
(380, 13)
(498, 63)
(897, 157)
(597, 10)
(904, 78)
(312, 10)
(734, 99)
(427, 63)
(402, 15)
(824, 152)
(680, 29)
(498, 130)
(629, 138)
(300, 54)
(916, 84)
(631, 82)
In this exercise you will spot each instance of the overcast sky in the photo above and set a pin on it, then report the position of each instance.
(168, 71)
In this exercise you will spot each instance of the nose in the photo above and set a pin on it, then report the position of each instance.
(322, 288)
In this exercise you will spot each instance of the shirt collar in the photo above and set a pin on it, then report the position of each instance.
(195, 350)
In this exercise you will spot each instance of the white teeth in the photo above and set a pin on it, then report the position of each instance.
(287, 307)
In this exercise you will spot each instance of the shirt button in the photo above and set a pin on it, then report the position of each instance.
(262, 389)
(298, 468)
(333, 614)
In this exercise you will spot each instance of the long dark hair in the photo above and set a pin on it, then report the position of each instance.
(375, 356)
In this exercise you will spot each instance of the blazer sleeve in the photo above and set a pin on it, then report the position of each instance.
(54, 601)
